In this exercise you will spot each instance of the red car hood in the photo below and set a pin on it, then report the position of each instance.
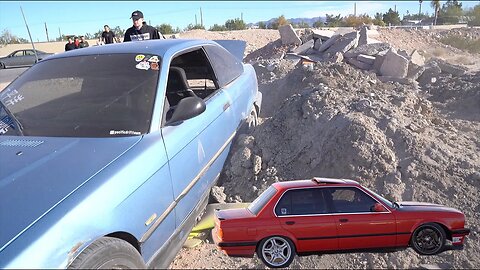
(421, 206)
(234, 214)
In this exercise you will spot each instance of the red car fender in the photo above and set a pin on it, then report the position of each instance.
(430, 220)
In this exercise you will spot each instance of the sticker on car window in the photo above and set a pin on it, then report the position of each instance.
(139, 57)
(154, 66)
(143, 65)
(284, 211)
(154, 59)
(5, 123)
(124, 132)
(10, 97)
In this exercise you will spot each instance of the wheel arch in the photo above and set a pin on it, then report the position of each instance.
(127, 237)
(289, 237)
(447, 231)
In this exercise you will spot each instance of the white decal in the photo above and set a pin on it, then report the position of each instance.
(124, 132)
(139, 57)
(140, 37)
(143, 65)
(154, 59)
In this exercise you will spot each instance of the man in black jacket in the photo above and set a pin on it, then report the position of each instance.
(140, 30)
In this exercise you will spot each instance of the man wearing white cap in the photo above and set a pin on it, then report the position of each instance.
(140, 30)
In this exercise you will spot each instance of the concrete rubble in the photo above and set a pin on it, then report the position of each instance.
(358, 49)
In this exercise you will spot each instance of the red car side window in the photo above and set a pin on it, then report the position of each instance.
(308, 201)
(350, 200)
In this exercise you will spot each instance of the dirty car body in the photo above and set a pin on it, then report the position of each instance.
(22, 58)
(330, 216)
(121, 141)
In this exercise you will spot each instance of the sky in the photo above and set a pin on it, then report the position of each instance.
(81, 17)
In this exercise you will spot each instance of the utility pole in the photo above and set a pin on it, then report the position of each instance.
(196, 19)
(59, 34)
(241, 16)
(46, 31)
(31, 40)
(395, 8)
(201, 17)
(420, 9)
(355, 9)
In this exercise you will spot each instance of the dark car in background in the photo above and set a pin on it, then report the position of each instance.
(22, 58)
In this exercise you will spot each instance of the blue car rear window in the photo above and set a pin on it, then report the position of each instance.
(84, 96)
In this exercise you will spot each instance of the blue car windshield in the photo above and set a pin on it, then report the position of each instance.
(106, 95)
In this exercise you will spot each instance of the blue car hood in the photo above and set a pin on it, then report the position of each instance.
(38, 173)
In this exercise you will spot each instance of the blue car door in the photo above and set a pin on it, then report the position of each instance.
(197, 147)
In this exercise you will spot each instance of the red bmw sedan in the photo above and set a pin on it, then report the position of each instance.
(330, 216)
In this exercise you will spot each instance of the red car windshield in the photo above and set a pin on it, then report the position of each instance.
(257, 205)
(83, 96)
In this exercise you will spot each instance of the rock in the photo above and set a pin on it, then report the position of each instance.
(377, 64)
(322, 34)
(369, 49)
(363, 38)
(329, 43)
(288, 35)
(257, 164)
(336, 58)
(317, 44)
(358, 64)
(404, 54)
(455, 70)
(367, 59)
(218, 194)
(417, 58)
(394, 65)
(304, 47)
(344, 44)
(432, 70)
(415, 71)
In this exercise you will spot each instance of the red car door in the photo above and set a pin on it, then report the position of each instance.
(357, 225)
(304, 213)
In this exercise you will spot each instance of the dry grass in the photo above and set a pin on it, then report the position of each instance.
(462, 43)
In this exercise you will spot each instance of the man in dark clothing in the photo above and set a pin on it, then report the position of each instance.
(70, 45)
(83, 43)
(107, 36)
(140, 30)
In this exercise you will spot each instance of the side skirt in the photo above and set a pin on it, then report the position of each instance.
(374, 250)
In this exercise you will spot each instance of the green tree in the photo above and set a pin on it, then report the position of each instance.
(333, 21)
(355, 21)
(451, 12)
(391, 17)
(262, 25)
(118, 31)
(280, 21)
(166, 29)
(435, 4)
(301, 24)
(217, 27)
(473, 16)
(196, 26)
(418, 17)
(318, 24)
(235, 24)
(378, 19)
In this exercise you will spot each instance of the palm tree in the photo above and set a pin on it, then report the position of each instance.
(420, 9)
(436, 5)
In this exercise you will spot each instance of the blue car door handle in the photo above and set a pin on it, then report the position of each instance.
(226, 106)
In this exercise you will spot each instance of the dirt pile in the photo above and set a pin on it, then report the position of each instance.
(407, 141)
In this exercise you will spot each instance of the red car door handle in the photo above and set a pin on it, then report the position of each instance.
(290, 222)
(343, 220)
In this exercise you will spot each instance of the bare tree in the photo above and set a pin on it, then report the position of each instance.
(435, 4)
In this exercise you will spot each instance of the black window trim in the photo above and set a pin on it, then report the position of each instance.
(329, 214)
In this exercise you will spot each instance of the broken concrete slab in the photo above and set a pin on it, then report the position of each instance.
(430, 74)
(344, 44)
(377, 64)
(367, 59)
(359, 64)
(394, 65)
(448, 68)
(327, 44)
(288, 35)
(335, 58)
(317, 44)
(304, 47)
(404, 54)
(363, 36)
(322, 34)
(417, 59)
(415, 71)
(369, 49)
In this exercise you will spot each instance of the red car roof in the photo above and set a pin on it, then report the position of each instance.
(314, 182)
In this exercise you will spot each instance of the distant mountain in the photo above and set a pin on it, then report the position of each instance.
(309, 21)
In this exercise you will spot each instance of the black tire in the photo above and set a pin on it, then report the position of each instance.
(276, 251)
(2, 65)
(252, 120)
(109, 253)
(428, 239)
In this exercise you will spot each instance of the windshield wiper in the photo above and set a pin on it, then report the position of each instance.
(16, 124)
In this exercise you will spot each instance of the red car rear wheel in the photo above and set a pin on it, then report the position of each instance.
(276, 251)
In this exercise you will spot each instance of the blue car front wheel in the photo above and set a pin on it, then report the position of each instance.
(109, 253)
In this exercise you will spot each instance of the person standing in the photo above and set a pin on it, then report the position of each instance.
(76, 42)
(140, 30)
(70, 45)
(107, 35)
(83, 43)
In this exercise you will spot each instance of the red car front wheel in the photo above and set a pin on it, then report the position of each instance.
(428, 239)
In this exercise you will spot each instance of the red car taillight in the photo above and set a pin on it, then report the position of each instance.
(220, 233)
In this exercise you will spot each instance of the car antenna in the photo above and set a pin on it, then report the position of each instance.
(31, 40)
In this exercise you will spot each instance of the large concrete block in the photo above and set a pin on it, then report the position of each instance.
(288, 35)
(415, 71)
(394, 65)
(377, 64)
(417, 58)
(363, 38)
(344, 44)
(335, 58)
(359, 64)
(450, 68)
(318, 43)
(429, 75)
(329, 43)
(304, 47)
(369, 49)
(322, 34)
(367, 59)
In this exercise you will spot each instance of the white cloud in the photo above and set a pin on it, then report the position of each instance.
(346, 8)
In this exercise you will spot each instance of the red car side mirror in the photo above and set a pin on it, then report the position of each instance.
(378, 207)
